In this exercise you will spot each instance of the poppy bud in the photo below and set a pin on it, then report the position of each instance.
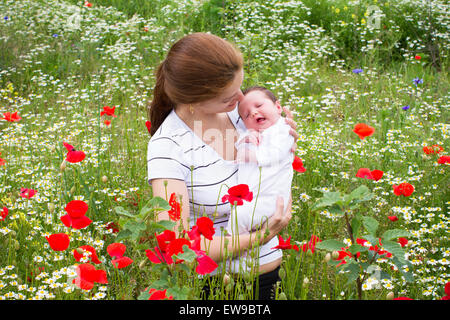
(16, 245)
(105, 179)
(327, 257)
(226, 278)
(282, 296)
(51, 207)
(80, 251)
(228, 287)
(63, 165)
(335, 254)
(13, 234)
(282, 273)
(390, 296)
(142, 264)
(72, 190)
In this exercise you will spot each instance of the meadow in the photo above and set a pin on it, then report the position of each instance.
(75, 81)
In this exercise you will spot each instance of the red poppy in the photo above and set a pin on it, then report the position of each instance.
(3, 213)
(403, 241)
(206, 227)
(444, 159)
(75, 217)
(363, 130)
(148, 124)
(175, 212)
(158, 294)
(112, 226)
(93, 254)
(176, 246)
(73, 156)
(164, 239)
(402, 298)
(417, 57)
(88, 275)
(297, 165)
(311, 245)
(237, 194)
(205, 264)
(2, 162)
(393, 218)
(11, 117)
(377, 174)
(364, 173)
(27, 193)
(447, 291)
(285, 244)
(116, 250)
(87, 4)
(107, 122)
(108, 111)
(122, 262)
(404, 189)
(58, 241)
(158, 256)
(433, 149)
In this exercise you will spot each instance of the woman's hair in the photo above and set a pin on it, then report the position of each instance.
(198, 67)
(266, 91)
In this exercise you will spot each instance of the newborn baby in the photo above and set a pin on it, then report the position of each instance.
(264, 159)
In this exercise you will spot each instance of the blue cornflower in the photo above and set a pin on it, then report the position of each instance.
(417, 81)
(55, 35)
(405, 107)
(6, 18)
(357, 70)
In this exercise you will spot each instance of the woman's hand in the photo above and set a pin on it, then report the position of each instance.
(280, 219)
(290, 121)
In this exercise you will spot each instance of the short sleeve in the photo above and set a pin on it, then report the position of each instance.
(165, 160)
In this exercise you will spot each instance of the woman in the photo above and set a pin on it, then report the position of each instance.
(191, 153)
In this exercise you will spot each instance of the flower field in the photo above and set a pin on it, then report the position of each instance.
(366, 81)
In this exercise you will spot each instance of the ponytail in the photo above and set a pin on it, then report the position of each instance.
(161, 105)
(197, 68)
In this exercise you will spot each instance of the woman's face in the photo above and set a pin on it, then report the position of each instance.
(227, 100)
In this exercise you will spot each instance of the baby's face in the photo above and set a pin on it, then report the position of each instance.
(258, 111)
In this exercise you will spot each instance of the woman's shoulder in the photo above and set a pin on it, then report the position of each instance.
(172, 127)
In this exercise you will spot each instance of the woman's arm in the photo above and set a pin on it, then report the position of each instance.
(216, 247)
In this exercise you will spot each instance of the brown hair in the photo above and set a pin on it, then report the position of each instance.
(197, 68)
(266, 91)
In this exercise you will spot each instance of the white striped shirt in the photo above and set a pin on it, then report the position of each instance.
(176, 152)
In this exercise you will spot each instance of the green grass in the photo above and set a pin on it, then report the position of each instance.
(59, 80)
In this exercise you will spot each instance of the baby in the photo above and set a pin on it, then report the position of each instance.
(264, 159)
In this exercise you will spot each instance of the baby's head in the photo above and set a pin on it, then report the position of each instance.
(259, 109)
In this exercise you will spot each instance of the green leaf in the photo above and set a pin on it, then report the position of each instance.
(159, 203)
(355, 248)
(370, 224)
(121, 211)
(144, 295)
(164, 225)
(123, 234)
(328, 199)
(188, 255)
(362, 193)
(330, 245)
(135, 227)
(353, 269)
(394, 234)
(356, 225)
(396, 250)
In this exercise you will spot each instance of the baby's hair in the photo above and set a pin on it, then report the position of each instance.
(266, 91)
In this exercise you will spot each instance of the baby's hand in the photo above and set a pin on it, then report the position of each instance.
(253, 137)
